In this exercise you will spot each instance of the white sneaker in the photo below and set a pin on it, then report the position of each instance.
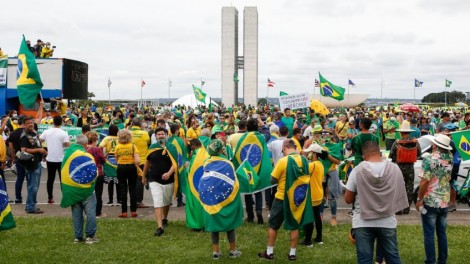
(91, 240)
(235, 254)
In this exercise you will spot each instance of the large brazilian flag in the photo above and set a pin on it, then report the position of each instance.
(297, 199)
(252, 147)
(79, 174)
(6, 217)
(194, 210)
(28, 80)
(218, 190)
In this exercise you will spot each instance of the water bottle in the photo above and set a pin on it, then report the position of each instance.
(422, 210)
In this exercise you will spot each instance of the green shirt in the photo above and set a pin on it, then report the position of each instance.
(357, 143)
(389, 124)
(289, 123)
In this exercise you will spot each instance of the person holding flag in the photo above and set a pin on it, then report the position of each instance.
(79, 173)
(218, 190)
(292, 200)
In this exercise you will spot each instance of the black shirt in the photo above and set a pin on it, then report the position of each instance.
(160, 164)
(15, 139)
(30, 140)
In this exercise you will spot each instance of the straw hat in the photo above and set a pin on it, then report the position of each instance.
(405, 127)
(442, 141)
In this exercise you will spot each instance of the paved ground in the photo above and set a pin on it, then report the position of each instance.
(460, 217)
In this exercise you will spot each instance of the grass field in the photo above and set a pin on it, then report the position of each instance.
(50, 240)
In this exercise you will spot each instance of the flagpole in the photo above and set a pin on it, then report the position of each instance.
(445, 93)
(349, 86)
(169, 86)
(141, 86)
(109, 92)
(382, 88)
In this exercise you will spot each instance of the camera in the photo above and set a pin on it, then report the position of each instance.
(53, 47)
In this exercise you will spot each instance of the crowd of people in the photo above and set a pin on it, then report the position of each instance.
(142, 142)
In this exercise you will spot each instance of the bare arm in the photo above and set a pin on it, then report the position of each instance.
(38, 118)
(423, 186)
(146, 170)
(349, 196)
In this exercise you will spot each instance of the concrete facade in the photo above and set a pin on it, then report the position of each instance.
(250, 54)
(229, 55)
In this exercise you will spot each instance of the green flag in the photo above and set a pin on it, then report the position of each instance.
(79, 174)
(252, 147)
(330, 90)
(3, 70)
(448, 83)
(247, 177)
(199, 94)
(297, 197)
(235, 77)
(218, 190)
(28, 80)
(281, 93)
(6, 217)
(194, 209)
(461, 139)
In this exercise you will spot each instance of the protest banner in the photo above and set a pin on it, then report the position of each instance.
(73, 132)
(294, 101)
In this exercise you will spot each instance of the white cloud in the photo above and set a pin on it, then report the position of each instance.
(155, 40)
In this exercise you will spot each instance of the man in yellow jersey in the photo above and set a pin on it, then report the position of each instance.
(280, 175)
(141, 139)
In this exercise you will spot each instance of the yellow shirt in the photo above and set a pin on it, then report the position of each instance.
(109, 143)
(192, 133)
(297, 144)
(316, 179)
(47, 121)
(124, 153)
(279, 173)
(3, 150)
(62, 107)
(141, 139)
(344, 128)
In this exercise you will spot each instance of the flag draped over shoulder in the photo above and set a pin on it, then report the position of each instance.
(247, 177)
(28, 80)
(462, 143)
(194, 210)
(79, 174)
(199, 94)
(6, 217)
(252, 147)
(218, 190)
(173, 157)
(205, 140)
(297, 199)
(330, 90)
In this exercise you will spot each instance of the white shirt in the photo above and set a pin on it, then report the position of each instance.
(351, 185)
(55, 139)
(275, 148)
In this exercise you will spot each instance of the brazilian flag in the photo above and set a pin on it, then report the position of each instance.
(79, 174)
(181, 155)
(28, 79)
(252, 147)
(330, 90)
(462, 143)
(6, 217)
(247, 177)
(194, 210)
(218, 190)
(205, 140)
(110, 166)
(297, 199)
(173, 156)
(199, 94)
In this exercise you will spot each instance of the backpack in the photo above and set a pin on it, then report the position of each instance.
(405, 153)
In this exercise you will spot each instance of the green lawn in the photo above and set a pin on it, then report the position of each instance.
(50, 240)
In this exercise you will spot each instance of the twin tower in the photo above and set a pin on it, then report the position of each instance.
(232, 62)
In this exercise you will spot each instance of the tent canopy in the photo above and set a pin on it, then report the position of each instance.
(190, 100)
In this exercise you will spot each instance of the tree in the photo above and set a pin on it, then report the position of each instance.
(90, 95)
(452, 97)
